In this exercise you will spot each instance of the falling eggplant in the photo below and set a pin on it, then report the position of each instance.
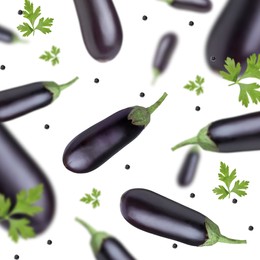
(21, 100)
(18, 171)
(163, 54)
(192, 5)
(105, 246)
(94, 146)
(235, 134)
(189, 167)
(235, 34)
(8, 36)
(100, 27)
(156, 214)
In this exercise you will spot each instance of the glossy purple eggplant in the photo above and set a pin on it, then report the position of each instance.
(192, 5)
(156, 214)
(163, 54)
(7, 35)
(94, 146)
(236, 34)
(100, 27)
(18, 171)
(105, 246)
(235, 134)
(189, 167)
(22, 100)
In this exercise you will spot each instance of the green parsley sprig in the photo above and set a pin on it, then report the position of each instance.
(92, 198)
(51, 55)
(250, 90)
(30, 14)
(196, 85)
(225, 176)
(25, 201)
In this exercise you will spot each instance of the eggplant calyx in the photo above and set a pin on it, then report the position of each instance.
(202, 139)
(56, 89)
(97, 237)
(141, 116)
(215, 236)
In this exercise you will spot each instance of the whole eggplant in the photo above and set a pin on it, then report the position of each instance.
(21, 100)
(100, 27)
(189, 167)
(94, 146)
(18, 171)
(236, 34)
(105, 246)
(164, 51)
(235, 134)
(156, 214)
(192, 5)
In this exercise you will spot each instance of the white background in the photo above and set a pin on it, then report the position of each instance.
(153, 165)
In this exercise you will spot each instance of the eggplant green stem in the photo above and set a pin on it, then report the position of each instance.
(194, 149)
(97, 237)
(68, 84)
(202, 139)
(56, 89)
(89, 228)
(17, 39)
(153, 107)
(193, 140)
(167, 1)
(141, 116)
(156, 74)
(214, 235)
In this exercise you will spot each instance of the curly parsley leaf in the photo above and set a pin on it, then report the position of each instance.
(92, 198)
(240, 187)
(5, 205)
(25, 201)
(233, 70)
(247, 91)
(196, 85)
(24, 205)
(20, 227)
(32, 15)
(220, 190)
(44, 25)
(228, 177)
(51, 55)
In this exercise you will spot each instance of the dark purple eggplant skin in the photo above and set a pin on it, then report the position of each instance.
(18, 101)
(161, 216)
(235, 34)
(112, 249)
(100, 142)
(193, 5)
(18, 171)
(189, 167)
(21, 100)
(164, 51)
(100, 27)
(6, 35)
(241, 133)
